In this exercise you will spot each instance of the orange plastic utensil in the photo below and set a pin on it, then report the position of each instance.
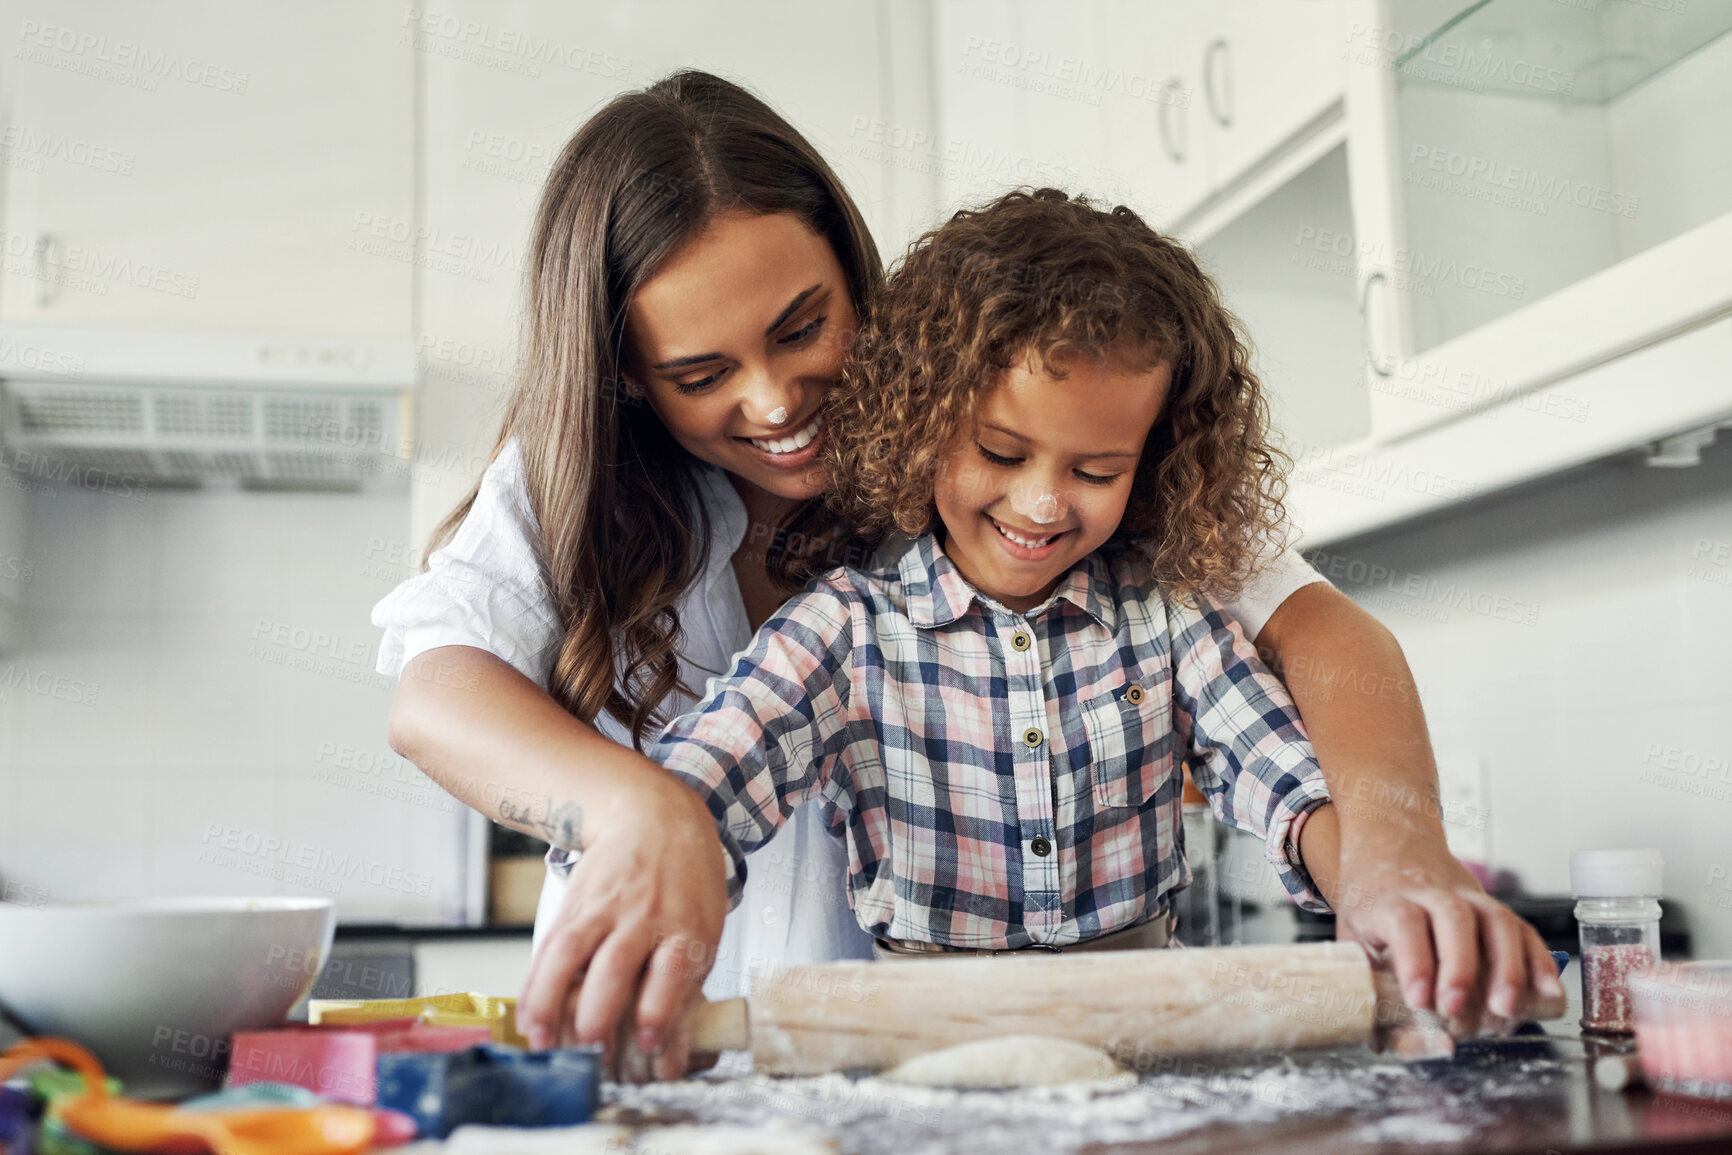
(129, 1125)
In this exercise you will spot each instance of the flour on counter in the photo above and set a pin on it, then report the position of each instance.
(873, 1116)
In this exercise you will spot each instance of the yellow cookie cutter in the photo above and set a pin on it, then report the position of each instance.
(453, 1010)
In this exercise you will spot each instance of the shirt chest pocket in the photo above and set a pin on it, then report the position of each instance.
(1131, 745)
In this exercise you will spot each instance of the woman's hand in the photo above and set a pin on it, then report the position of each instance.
(1417, 910)
(649, 889)
(1378, 853)
(635, 934)
(1456, 949)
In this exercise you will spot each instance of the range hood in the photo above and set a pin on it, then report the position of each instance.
(185, 408)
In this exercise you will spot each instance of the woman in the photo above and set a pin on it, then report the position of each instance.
(695, 270)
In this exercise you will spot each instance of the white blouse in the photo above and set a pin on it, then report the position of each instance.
(484, 589)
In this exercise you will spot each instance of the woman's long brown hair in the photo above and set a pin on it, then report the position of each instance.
(622, 532)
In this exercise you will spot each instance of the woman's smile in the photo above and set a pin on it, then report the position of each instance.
(794, 450)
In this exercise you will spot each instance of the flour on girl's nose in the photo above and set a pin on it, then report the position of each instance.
(1040, 508)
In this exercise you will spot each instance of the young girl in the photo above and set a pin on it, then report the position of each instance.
(1051, 401)
(693, 274)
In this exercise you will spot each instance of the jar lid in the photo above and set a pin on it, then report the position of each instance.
(1615, 873)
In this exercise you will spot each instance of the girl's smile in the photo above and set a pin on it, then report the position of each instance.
(1024, 545)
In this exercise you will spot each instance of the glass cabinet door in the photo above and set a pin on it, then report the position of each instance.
(1535, 143)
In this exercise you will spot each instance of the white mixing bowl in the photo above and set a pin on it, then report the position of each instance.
(156, 986)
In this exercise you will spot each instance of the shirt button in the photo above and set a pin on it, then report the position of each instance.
(1134, 695)
(1041, 847)
(1020, 642)
(1032, 737)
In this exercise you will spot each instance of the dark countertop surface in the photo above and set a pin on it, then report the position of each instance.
(1531, 1095)
(1517, 1100)
(349, 931)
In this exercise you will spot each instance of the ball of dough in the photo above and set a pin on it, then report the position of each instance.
(1011, 1061)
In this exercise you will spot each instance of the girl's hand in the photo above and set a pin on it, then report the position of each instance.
(635, 935)
(1455, 949)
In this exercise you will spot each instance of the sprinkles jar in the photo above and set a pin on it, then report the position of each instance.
(1618, 910)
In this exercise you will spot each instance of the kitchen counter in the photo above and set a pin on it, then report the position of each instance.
(371, 931)
(1529, 1095)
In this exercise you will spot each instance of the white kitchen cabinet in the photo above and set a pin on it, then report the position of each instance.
(1064, 97)
(1028, 95)
(17, 567)
(1542, 224)
(1158, 136)
(1281, 269)
(1516, 153)
(1159, 104)
(1268, 69)
(1226, 90)
(1338, 492)
(496, 965)
(209, 167)
(1010, 98)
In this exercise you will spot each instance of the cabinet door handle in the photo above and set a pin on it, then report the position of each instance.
(1218, 81)
(47, 288)
(1380, 365)
(1171, 120)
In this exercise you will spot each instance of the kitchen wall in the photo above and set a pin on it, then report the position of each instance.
(192, 707)
(383, 170)
(1574, 637)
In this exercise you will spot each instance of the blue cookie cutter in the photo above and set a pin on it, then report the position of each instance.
(492, 1084)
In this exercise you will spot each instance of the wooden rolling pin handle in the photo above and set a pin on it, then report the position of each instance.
(1393, 1011)
(722, 1026)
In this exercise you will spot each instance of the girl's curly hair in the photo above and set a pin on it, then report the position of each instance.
(1046, 275)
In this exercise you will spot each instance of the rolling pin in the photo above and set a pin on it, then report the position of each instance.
(1135, 1004)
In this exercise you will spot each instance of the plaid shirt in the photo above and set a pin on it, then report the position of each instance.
(1004, 779)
